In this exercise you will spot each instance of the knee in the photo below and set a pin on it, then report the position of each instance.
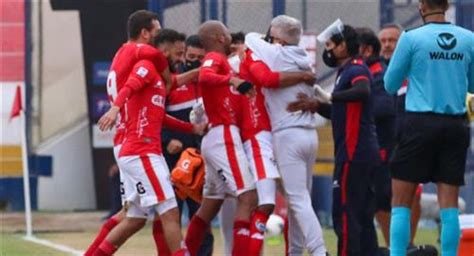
(248, 200)
(267, 208)
(135, 224)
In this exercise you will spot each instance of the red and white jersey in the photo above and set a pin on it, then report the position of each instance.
(183, 97)
(255, 117)
(221, 101)
(127, 56)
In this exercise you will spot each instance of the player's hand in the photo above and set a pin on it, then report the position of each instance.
(308, 77)
(321, 95)
(107, 121)
(199, 129)
(242, 86)
(303, 103)
(174, 146)
(198, 114)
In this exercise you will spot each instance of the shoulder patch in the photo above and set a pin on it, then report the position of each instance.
(207, 63)
(142, 71)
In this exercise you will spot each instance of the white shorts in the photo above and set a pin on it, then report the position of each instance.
(126, 188)
(151, 185)
(259, 151)
(227, 170)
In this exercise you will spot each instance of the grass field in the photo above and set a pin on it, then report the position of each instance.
(11, 242)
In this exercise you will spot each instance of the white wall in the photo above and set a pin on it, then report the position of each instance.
(71, 186)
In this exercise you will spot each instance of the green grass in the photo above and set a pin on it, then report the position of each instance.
(11, 244)
(142, 243)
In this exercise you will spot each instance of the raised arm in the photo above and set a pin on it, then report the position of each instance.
(261, 48)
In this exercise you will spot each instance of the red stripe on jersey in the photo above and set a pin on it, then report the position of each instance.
(353, 113)
(257, 158)
(345, 232)
(358, 78)
(230, 150)
(376, 68)
(150, 173)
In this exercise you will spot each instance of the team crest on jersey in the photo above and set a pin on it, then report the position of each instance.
(185, 165)
(142, 72)
(159, 84)
(158, 100)
(207, 63)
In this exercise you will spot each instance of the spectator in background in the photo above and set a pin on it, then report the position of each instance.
(179, 103)
(384, 117)
(388, 36)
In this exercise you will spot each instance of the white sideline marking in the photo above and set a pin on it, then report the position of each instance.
(58, 247)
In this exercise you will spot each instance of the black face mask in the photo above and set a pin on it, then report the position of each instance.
(190, 65)
(329, 58)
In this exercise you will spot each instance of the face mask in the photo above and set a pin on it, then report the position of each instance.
(234, 63)
(190, 65)
(329, 58)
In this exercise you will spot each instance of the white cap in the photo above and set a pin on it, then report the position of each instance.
(335, 28)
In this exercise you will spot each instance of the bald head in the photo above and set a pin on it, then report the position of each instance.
(215, 36)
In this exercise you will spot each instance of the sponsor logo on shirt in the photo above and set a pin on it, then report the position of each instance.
(158, 100)
(447, 42)
(142, 121)
(142, 72)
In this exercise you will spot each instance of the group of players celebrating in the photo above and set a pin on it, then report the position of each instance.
(255, 110)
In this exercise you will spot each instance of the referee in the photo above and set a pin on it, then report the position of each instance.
(438, 60)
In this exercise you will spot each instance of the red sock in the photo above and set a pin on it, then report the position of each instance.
(181, 252)
(257, 232)
(104, 230)
(160, 240)
(106, 248)
(196, 231)
(241, 238)
(285, 235)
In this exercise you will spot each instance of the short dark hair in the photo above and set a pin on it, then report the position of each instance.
(238, 38)
(433, 4)
(167, 35)
(194, 41)
(367, 37)
(141, 19)
(348, 35)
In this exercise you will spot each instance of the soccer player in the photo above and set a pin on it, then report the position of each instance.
(143, 26)
(144, 97)
(294, 134)
(186, 54)
(227, 171)
(349, 108)
(438, 59)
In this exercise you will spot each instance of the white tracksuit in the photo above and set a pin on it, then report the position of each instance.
(294, 141)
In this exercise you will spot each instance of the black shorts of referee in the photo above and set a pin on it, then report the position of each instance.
(432, 148)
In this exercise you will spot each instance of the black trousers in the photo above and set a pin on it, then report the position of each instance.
(353, 209)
